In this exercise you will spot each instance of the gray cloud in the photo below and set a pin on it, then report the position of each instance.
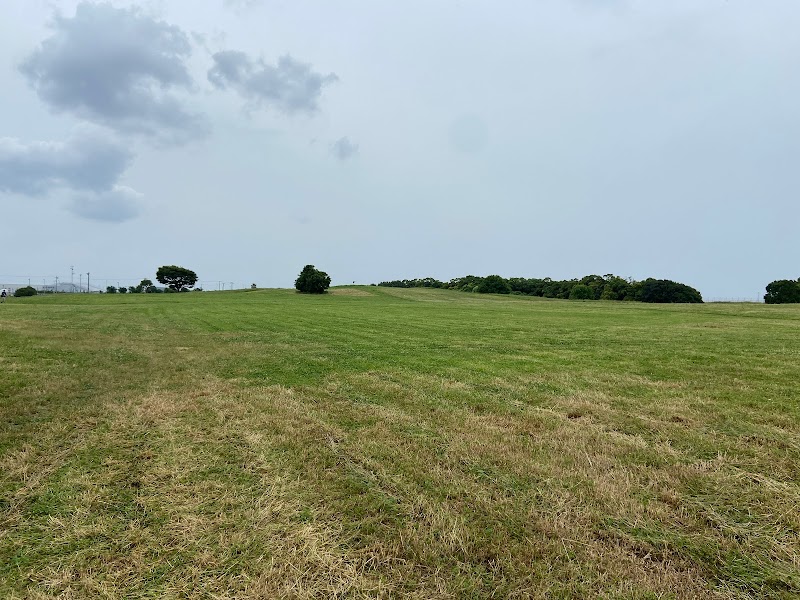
(118, 68)
(114, 205)
(87, 161)
(88, 166)
(343, 148)
(290, 86)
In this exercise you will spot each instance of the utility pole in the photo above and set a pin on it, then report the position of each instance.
(80, 282)
(88, 289)
(56, 285)
(72, 278)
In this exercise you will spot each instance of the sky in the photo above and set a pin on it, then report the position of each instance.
(244, 139)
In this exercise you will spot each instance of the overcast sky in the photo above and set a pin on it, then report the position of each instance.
(380, 140)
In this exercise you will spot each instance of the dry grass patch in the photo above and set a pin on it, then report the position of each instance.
(353, 292)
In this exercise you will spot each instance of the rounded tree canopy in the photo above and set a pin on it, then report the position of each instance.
(783, 291)
(664, 290)
(581, 292)
(312, 281)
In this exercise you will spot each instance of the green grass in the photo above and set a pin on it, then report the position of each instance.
(387, 443)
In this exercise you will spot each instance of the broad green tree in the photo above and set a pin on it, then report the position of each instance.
(176, 278)
(783, 291)
(312, 281)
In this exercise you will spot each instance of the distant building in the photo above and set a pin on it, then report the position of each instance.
(44, 288)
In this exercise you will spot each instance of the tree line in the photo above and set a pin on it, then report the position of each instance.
(591, 287)
(177, 279)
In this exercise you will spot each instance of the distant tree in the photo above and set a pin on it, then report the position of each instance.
(25, 291)
(312, 281)
(177, 278)
(493, 284)
(664, 290)
(596, 283)
(123, 290)
(783, 291)
(111, 289)
(615, 288)
(470, 283)
(429, 282)
(142, 288)
(581, 291)
(529, 287)
(397, 283)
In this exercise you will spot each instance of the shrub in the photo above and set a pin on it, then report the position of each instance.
(25, 291)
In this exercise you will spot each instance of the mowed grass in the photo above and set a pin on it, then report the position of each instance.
(385, 443)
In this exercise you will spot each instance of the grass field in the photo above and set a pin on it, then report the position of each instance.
(378, 442)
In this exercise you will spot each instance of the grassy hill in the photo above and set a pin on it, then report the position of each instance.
(381, 442)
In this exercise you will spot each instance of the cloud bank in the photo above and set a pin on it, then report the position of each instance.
(117, 68)
(290, 86)
(86, 161)
(88, 166)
